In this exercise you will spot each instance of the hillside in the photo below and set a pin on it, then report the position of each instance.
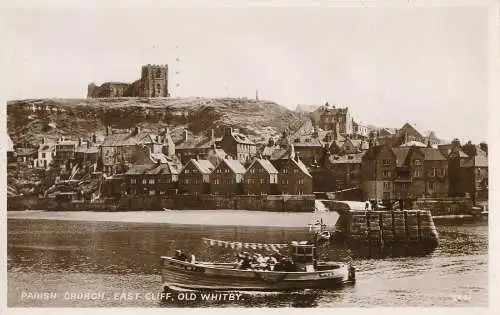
(30, 120)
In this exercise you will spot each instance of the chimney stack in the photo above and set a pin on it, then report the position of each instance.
(43, 140)
(94, 138)
(136, 130)
(185, 135)
(79, 142)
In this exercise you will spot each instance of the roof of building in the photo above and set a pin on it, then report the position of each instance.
(477, 161)
(235, 166)
(195, 143)
(266, 165)
(307, 141)
(67, 142)
(152, 169)
(401, 154)
(281, 153)
(241, 138)
(46, 147)
(26, 151)
(85, 149)
(203, 166)
(301, 166)
(414, 143)
(433, 154)
(346, 159)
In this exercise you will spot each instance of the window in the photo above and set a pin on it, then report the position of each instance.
(443, 172)
(416, 173)
(43, 155)
(295, 171)
(144, 182)
(404, 185)
(158, 73)
(151, 181)
(386, 173)
(285, 170)
(152, 192)
(162, 192)
(301, 181)
(432, 186)
(262, 181)
(133, 181)
(386, 162)
(387, 185)
(417, 162)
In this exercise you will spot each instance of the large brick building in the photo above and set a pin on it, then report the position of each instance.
(153, 83)
(404, 173)
(331, 118)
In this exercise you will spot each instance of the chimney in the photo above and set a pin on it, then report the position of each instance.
(137, 130)
(297, 157)
(88, 144)
(228, 131)
(79, 142)
(43, 140)
(94, 138)
(185, 135)
(157, 139)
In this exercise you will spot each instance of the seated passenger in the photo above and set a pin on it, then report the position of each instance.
(244, 263)
(179, 255)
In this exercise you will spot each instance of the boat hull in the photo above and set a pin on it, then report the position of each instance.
(204, 276)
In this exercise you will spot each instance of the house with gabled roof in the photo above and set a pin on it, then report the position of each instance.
(152, 179)
(227, 178)
(238, 145)
(194, 177)
(261, 177)
(293, 176)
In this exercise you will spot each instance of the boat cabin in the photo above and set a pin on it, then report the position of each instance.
(304, 256)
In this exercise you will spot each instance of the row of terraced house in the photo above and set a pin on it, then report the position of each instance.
(381, 163)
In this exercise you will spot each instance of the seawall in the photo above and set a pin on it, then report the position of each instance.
(271, 203)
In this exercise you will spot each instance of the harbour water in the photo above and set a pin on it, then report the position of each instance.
(63, 263)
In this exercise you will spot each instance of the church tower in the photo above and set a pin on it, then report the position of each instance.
(154, 81)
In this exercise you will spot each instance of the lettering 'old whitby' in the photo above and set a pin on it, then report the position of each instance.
(269, 164)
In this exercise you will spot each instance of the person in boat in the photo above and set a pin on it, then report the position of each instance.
(179, 255)
(245, 262)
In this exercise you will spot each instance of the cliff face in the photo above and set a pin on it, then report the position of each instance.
(30, 120)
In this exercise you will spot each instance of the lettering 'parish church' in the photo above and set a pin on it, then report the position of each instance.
(153, 83)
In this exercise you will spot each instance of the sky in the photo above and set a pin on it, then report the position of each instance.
(389, 65)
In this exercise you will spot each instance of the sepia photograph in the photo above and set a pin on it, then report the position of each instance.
(247, 156)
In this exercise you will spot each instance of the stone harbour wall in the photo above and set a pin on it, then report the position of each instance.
(445, 206)
(390, 227)
(275, 203)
